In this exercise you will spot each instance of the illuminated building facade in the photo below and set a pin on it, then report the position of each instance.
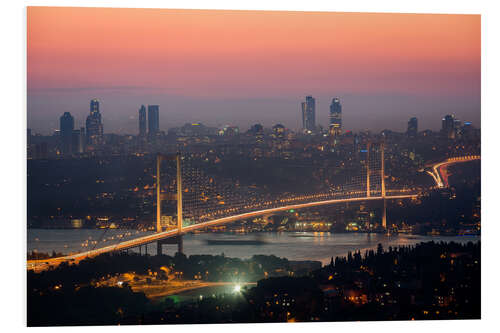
(66, 126)
(335, 128)
(81, 140)
(229, 131)
(412, 127)
(153, 120)
(448, 126)
(94, 131)
(309, 115)
(142, 121)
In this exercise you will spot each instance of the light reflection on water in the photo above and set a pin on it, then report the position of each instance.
(293, 246)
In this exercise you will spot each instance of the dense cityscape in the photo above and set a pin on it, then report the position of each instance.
(115, 176)
(107, 181)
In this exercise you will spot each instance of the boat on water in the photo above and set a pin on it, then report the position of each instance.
(301, 236)
(235, 242)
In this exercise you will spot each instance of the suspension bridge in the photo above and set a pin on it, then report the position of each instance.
(203, 202)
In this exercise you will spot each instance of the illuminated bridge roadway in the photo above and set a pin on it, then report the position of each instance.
(436, 171)
(40, 265)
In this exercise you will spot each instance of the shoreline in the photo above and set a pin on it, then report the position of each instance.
(281, 231)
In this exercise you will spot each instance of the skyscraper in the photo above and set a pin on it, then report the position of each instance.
(66, 127)
(81, 146)
(467, 130)
(448, 126)
(153, 120)
(94, 130)
(335, 117)
(75, 142)
(457, 126)
(412, 127)
(309, 114)
(142, 121)
(303, 109)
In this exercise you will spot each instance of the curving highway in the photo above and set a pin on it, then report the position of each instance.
(439, 170)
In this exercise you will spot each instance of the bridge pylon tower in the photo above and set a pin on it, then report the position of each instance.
(159, 159)
(158, 193)
(368, 145)
(179, 193)
(382, 178)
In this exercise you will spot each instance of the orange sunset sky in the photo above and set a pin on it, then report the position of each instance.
(243, 67)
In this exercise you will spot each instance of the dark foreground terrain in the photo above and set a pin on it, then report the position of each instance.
(427, 281)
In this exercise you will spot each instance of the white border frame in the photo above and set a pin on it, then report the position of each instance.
(13, 84)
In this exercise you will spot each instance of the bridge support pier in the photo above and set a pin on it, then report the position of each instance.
(368, 145)
(159, 246)
(180, 245)
(174, 240)
(384, 214)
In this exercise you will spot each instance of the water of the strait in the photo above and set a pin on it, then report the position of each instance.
(290, 245)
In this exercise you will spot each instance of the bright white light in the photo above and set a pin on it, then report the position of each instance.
(237, 288)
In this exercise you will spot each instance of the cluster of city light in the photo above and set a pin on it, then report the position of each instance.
(243, 207)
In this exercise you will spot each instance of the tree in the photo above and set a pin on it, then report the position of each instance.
(380, 248)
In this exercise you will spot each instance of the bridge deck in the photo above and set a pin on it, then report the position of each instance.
(42, 264)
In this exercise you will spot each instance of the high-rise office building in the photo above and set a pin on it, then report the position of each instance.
(81, 146)
(309, 115)
(75, 141)
(303, 110)
(412, 127)
(257, 131)
(153, 120)
(94, 130)
(467, 130)
(335, 128)
(66, 127)
(457, 124)
(448, 126)
(142, 121)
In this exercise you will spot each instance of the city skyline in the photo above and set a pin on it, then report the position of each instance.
(409, 66)
(143, 122)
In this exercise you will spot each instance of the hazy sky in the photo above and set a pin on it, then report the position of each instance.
(244, 67)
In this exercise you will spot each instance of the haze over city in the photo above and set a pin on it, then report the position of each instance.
(244, 67)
